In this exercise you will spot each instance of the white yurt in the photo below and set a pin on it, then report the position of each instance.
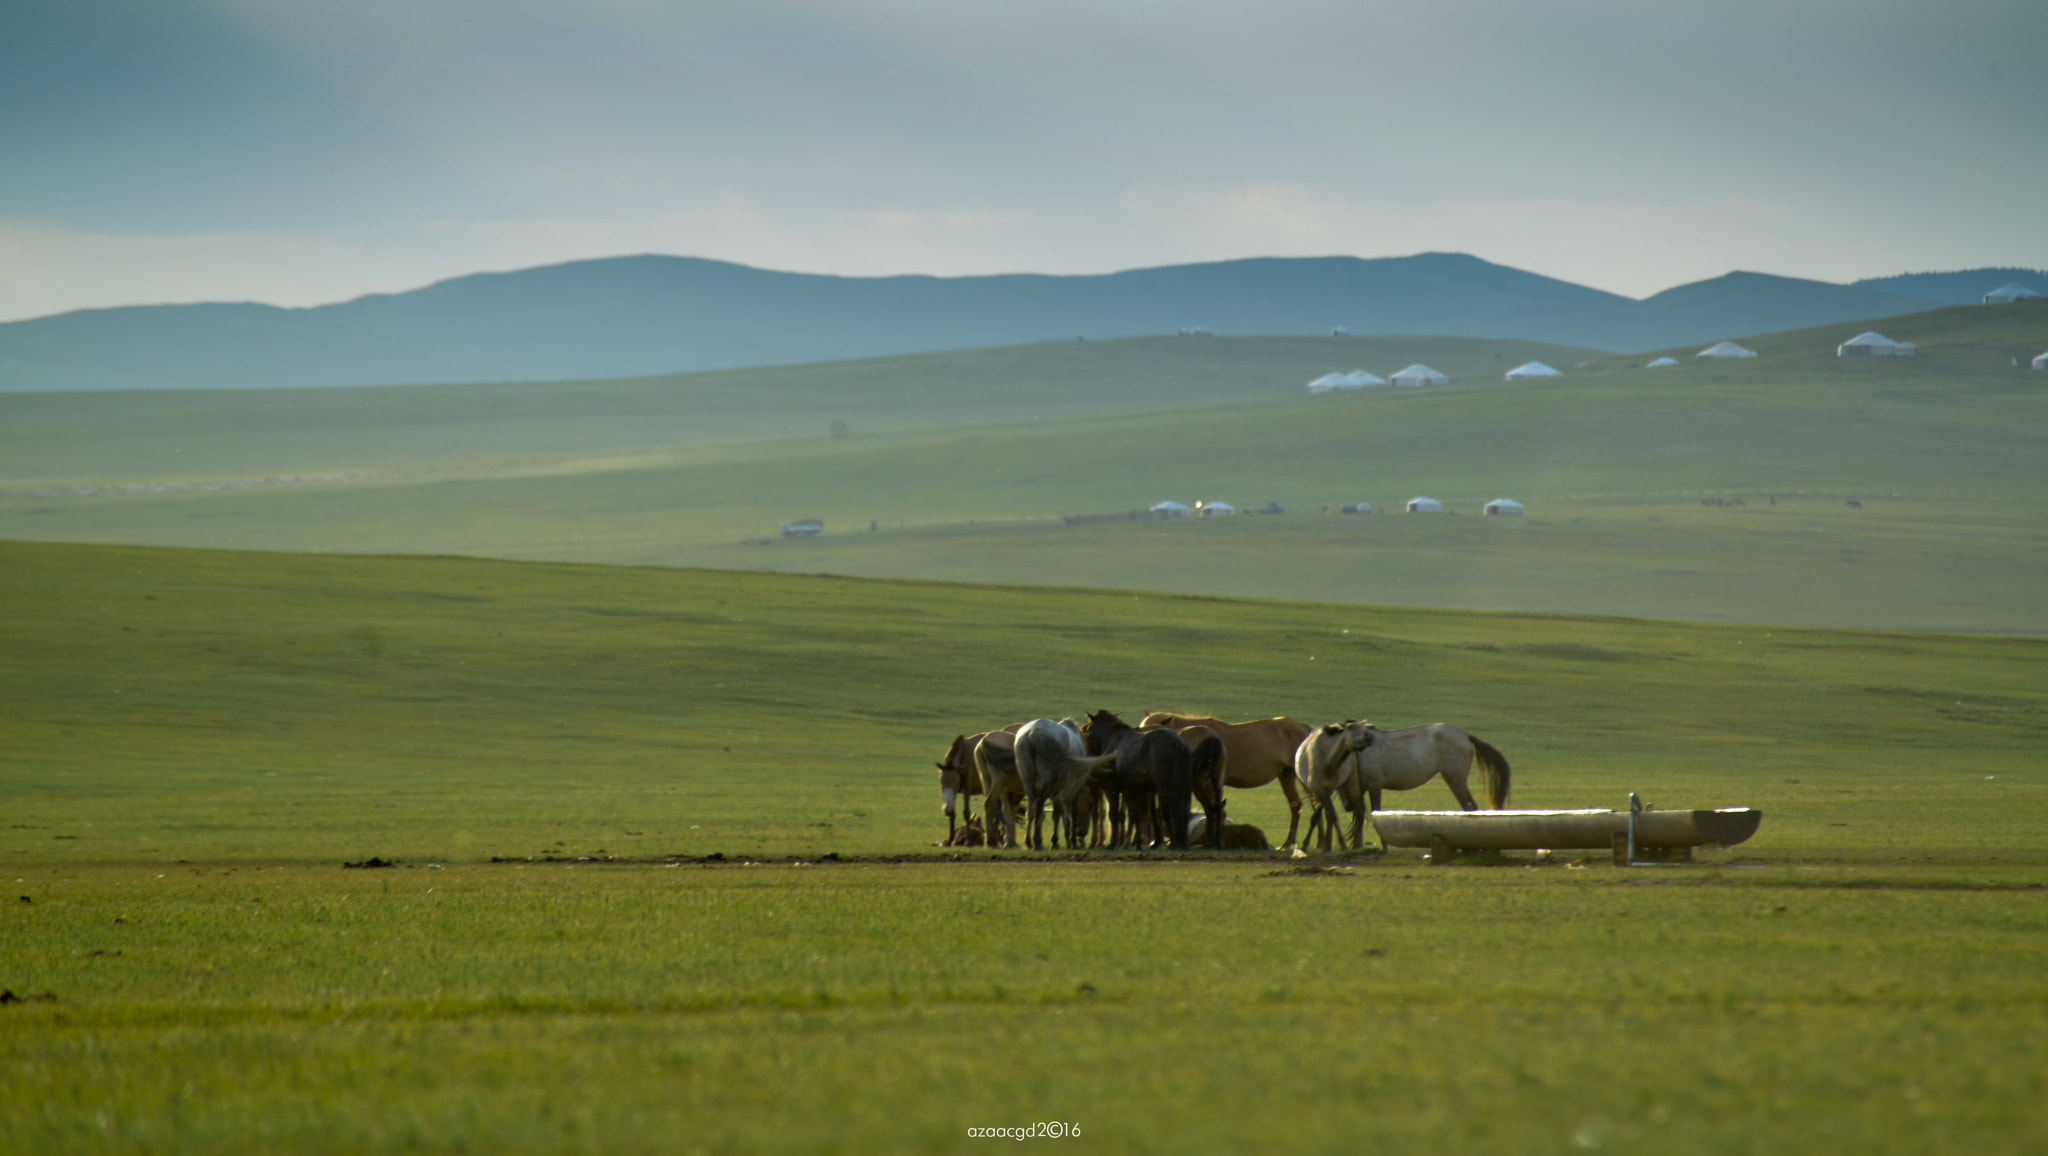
(2041, 362)
(1502, 507)
(1326, 383)
(1172, 510)
(1425, 506)
(1661, 362)
(1532, 369)
(1359, 379)
(1416, 375)
(1874, 345)
(1724, 350)
(2005, 293)
(1214, 509)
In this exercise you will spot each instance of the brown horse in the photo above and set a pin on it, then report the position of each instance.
(1236, 836)
(1254, 753)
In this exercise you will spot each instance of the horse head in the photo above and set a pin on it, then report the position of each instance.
(1100, 724)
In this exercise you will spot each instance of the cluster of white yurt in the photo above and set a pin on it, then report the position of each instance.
(1332, 382)
(1875, 345)
(1531, 369)
(1409, 378)
(1723, 351)
(2009, 293)
(1499, 507)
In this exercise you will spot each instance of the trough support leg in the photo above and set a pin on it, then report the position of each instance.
(1621, 850)
(1440, 851)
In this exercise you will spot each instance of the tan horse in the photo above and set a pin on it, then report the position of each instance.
(1254, 753)
(960, 780)
(995, 757)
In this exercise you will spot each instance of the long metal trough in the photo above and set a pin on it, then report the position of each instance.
(1658, 834)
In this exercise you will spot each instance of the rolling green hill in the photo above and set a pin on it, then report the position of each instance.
(965, 465)
(211, 436)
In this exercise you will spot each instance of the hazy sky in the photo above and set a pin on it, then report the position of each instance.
(304, 151)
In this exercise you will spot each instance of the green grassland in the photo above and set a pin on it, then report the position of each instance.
(965, 464)
(194, 741)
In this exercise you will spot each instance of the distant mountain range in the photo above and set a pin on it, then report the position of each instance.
(630, 316)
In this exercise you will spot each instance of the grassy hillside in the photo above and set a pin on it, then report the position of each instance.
(196, 740)
(966, 462)
(223, 436)
(1960, 344)
(271, 704)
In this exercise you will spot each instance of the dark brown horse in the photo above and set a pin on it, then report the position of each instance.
(1210, 773)
(1254, 753)
(1159, 755)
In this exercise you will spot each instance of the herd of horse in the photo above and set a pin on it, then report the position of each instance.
(1110, 784)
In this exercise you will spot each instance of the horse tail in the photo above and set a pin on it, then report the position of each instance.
(1208, 760)
(1496, 767)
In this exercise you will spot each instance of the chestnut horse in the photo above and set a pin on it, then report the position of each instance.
(1254, 753)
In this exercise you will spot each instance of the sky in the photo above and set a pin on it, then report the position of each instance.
(299, 152)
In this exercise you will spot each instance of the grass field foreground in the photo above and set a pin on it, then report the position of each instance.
(196, 741)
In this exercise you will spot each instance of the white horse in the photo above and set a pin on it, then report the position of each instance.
(1325, 764)
(1054, 763)
(1405, 759)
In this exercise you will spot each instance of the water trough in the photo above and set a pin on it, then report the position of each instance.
(1655, 836)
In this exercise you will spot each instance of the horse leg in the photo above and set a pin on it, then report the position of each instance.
(1293, 793)
(1212, 815)
(1355, 799)
(1032, 818)
(1458, 788)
